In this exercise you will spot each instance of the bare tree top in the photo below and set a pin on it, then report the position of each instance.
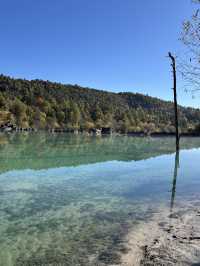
(190, 37)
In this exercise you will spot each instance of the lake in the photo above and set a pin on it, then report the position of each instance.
(70, 200)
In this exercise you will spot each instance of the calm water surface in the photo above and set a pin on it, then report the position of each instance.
(70, 200)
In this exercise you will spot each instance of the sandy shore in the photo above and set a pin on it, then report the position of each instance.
(169, 238)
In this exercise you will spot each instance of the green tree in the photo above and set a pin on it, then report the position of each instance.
(74, 115)
(3, 103)
(19, 110)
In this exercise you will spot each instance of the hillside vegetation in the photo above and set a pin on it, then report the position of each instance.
(45, 105)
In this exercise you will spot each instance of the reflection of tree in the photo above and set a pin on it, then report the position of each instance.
(176, 166)
(42, 150)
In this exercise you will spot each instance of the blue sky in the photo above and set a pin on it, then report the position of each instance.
(105, 44)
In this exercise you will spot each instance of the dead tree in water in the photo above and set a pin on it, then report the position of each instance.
(175, 98)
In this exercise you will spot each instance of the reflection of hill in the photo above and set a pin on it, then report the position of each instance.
(42, 151)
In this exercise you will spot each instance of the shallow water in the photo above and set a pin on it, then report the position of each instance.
(70, 200)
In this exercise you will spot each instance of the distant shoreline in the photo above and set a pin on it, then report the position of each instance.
(97, 132)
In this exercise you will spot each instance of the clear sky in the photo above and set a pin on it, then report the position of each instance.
(116, 45)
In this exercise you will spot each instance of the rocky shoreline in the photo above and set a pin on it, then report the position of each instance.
(169, 238)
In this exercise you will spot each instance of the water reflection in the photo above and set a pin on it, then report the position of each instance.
(176, 166)
(70, 200)
(44, 151)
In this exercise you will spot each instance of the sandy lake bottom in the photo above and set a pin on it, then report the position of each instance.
(78, 200)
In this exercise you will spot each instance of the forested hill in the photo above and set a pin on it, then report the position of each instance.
(43, 104)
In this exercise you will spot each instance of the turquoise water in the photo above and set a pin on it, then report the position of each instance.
(70, 200)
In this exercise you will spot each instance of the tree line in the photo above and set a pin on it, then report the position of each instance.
(46, 105)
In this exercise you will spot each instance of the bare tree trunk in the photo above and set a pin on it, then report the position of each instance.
(175, 99)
